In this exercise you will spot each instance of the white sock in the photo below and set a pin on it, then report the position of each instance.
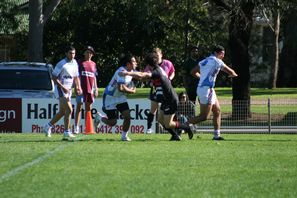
(217, 133)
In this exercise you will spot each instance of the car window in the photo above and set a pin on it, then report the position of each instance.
(25, 79)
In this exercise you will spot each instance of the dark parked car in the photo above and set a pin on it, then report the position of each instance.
(26, 80)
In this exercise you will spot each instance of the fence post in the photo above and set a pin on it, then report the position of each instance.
(269, 116)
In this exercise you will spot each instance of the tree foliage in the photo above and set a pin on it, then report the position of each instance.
(118, 26)
(9, 20)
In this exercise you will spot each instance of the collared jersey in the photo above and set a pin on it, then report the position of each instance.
(112, 87)
(87, 72)
(209, 69)
(166, 65)
(65, 71)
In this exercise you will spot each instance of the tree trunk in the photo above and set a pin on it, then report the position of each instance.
(187, 16)
(35, 40)
(239, 36)
(275, 66)
(37, 20)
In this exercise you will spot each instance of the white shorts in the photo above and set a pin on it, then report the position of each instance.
(206, 95)
(59, 93)
(110, 102)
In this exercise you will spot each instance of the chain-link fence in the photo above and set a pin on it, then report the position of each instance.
(254, 116)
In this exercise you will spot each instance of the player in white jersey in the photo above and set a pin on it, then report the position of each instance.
(114, 97)
(64, 74)
(207, 71)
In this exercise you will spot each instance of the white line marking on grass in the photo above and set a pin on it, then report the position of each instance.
(20, 168)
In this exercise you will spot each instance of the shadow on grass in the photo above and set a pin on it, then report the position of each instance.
(83, 138)
(30, 141)
(256, 140)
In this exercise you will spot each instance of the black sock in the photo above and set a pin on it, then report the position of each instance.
(171, 131)
(150, 119)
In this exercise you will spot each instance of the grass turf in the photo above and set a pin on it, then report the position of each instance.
(150, 166)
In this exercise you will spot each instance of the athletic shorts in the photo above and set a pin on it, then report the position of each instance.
(156, 96)
(169, 107)
(206, 95)
(113, 113)
(111, 102)
(59, 93)
(85, 98)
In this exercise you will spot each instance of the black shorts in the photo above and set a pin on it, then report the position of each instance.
(113, 114)
(156, 98)
(169, 107)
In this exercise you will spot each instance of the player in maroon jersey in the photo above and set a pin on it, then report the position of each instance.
(87, 71)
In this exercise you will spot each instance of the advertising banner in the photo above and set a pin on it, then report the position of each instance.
(37, 112)
(10, 115)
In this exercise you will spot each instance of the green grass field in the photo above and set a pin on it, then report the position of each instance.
(150, 166)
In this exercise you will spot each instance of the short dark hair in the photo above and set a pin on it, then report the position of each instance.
(90, 48)
(126, 58)
(218, 49)
(69, 48)
(181, 94)
(152, 59)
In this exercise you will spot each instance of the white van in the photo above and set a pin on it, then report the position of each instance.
(26, 80)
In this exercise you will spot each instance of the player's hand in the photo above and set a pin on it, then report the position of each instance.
(232, 75)
(133, 90)
(96, 92)
(66, 91)
(79, 91)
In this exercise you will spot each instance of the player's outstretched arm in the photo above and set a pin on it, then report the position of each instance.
(229, 71)
(137, 75)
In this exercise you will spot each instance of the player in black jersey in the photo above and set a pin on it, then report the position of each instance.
(170, 98)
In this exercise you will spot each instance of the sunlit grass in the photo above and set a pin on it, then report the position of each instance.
(149, 166)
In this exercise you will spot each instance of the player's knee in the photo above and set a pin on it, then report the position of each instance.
(68, 111)
(203, 117)
(112, 122)
(127, 118)
(169, 125)
(217, 112)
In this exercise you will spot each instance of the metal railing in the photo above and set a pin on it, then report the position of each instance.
(255, 116)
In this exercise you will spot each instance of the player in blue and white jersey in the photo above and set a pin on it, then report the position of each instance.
(115, 99)
(207, 71)
(64, 75)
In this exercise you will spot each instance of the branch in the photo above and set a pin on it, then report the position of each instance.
(268, 21)
(50, 9)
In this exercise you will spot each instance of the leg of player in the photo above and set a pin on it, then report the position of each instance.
(108, 120)
(67, 106)
(150, 117)
(126, 125)
(77, 117)
(217, 121)
(47, 129)
(169, 124)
